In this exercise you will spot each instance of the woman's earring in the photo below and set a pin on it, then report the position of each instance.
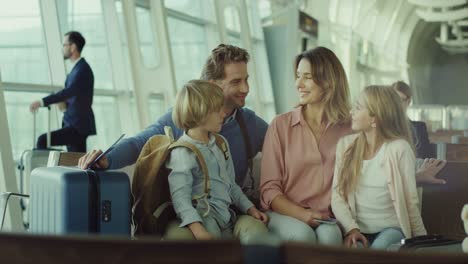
(374, 125)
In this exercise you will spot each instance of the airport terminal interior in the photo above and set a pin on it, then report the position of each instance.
(142, 53)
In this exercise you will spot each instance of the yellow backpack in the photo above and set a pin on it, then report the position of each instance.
(152, 207)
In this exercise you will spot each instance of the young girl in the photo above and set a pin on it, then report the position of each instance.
(199, 113)
(374, 188)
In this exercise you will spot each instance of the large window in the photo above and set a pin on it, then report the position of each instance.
(86, 17)
(156, 105)
(197, 8)
(21, 121)
(107, 122)
(23, 56)
(189, 49)
(233, 26)
(124, 43)
(146, 36)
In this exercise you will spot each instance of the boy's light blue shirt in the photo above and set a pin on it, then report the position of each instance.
(187, 180)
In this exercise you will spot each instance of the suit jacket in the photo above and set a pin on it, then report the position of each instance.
(78, 95)
(421, 140)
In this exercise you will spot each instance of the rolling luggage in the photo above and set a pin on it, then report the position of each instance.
(33, 158)
(29, 160)
(68, 200)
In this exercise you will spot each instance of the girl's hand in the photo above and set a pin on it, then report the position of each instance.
(257, 214)
(355, 236)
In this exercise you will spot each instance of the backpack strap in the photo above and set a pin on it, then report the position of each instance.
(222, 145)
(247, 144)
(201, 160)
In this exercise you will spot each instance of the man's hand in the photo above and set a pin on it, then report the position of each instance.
(428, 170)
(34, 106)
(257, 214)
(89, 157)
(199, 231)
(353, 237)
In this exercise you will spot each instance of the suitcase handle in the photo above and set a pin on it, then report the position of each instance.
(6, 196)
(48, 139)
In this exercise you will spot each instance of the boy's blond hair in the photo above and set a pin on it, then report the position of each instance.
(195, 101)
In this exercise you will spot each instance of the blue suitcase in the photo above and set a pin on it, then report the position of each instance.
(67, 200)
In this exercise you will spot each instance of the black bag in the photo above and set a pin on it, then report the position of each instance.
(426, 241)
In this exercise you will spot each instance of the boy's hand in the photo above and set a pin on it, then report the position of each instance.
(199, 231)
(257, 214)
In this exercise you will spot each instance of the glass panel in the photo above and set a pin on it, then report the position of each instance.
(268, 112)
(198, 8)
(23, 56)
(254, 19)
(157, 107)
(261, 62)
(231, 19)
(107, 123)
(189, 49)
(146, 36)
(86, 17)
(434, 116)
(21, 121)
(458, 117)
(235, 40)
(264, 7)
(123, 40)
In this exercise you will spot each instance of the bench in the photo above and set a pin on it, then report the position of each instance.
(442, 204)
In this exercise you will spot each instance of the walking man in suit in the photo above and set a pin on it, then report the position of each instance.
(78, 119)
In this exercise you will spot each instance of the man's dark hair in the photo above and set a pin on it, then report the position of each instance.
(76, 38)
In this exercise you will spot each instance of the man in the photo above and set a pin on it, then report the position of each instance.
(78, 120)
(227, 67)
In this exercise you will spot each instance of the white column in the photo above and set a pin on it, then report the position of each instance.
(120, 75)
(53, 41)
(13, 219)
(150, 80)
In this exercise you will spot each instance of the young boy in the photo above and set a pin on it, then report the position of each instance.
(198, 111)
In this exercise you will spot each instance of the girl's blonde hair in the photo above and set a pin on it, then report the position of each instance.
(328, 73)
(385, 105)
(195, 102)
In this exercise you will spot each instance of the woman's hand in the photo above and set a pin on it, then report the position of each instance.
(353, 237)
(257, 214)
(310, 217)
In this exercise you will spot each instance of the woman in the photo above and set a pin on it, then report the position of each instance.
(299, 152)
(374, 188)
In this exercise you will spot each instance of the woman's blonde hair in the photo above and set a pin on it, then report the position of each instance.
(328, 73)
(385, 105)
(195, 102)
